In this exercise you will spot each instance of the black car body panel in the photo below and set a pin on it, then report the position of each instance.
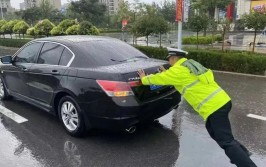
(77, 74)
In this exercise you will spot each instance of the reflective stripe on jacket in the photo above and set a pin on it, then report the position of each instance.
(204, 95)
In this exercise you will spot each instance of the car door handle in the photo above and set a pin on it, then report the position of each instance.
(24, 69)
(55, 72)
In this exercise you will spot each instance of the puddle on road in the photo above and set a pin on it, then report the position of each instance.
(196, 147)
(13, 152)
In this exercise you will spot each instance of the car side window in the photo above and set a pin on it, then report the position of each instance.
(66, 57)
(50, 54)
(29, 53)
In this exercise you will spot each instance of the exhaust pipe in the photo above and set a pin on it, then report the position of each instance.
(131, 129)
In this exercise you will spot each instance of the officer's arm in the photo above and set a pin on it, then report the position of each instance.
(169, 77)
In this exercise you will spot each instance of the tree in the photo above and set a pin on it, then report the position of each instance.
(225, 26)
(209, 6)
(149, 24)
(85, 27)
(12, 16)
(46, 9)
(124, 11)
(44, 27)
(161, 27)
(73, 30)
(2, 23)
(198, 23)
(144, 26)
(89, 10)
(56, 31)
(168, 11)
(21, 28)
(31, 31)
(31, 15)
(8, 27)
(56, 16)
(94, 31)
(212, 26)
(65, 24)
(257, 21)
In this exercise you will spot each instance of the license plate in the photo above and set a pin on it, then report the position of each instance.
(155, 87)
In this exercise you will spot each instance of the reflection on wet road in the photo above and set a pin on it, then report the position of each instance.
(179, 140)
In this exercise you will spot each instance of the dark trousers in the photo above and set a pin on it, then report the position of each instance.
(219, 128)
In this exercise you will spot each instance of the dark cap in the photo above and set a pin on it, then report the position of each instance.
(175, 52)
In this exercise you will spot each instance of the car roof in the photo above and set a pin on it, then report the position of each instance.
(71, 39)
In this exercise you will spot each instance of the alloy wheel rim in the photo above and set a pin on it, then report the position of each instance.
(2, 92)
(69, 116)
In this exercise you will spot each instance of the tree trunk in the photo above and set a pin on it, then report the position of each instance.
(254, 42)
(223, 40)
(147, 40)
(11, 36)
(23, 36)
(197, 40)
(212, 38)
(205, 32)
(160, 39)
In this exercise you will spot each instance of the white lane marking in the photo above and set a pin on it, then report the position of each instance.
(256, 117)
(10, 114)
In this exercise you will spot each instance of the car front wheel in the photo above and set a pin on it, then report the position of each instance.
(3, 92)
(71, 116)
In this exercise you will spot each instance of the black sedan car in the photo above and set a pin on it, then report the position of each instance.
(87, 81)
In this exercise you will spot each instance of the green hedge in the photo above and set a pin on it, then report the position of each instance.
(157, 53)
(192, 40)
(16, 43)
(234, 61)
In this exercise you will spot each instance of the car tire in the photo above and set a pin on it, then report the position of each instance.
(71, 116)
(3, 92)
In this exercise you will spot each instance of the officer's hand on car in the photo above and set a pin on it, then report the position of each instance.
(141, 73)
(162, 69)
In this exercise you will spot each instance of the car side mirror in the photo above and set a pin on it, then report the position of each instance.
(6, 59)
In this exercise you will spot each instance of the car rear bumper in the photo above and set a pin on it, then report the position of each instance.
(127, 116)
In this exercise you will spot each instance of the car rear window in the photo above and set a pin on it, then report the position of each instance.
(110, 52)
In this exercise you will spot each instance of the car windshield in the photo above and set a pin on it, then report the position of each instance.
(111, 52)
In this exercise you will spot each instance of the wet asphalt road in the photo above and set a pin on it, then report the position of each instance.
(179, 140)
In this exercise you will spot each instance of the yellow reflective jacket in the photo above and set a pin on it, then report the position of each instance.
(201, 92)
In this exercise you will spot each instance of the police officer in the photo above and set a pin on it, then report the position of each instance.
(198, 87)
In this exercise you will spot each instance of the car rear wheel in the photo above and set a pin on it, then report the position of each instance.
(3, 92)
(71, 116)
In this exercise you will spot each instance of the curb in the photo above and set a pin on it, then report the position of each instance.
(5, 47)
(240, 74)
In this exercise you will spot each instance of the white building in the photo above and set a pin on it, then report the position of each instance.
(22, 6)
(36, 3)
(112, 5)
(243, 7)
(5, 6)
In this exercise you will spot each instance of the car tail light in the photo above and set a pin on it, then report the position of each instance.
(117, 89)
